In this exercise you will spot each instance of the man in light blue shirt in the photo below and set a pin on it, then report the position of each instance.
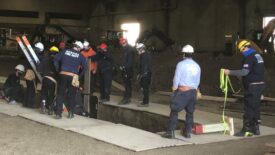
(185, 85)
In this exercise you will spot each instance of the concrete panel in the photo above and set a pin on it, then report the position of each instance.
(129, 138)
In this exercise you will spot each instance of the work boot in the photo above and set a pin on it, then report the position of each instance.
(246, 130)
(70, 115)
(185, 134)
(58, 116)
(124, 101)
(143, 105)
(169, 134)
(256, 128)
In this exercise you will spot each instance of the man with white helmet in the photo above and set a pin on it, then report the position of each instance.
(89, 52)
(185, 84)
(12, 87)
(67, 63)
(39, 50)
(144, 73)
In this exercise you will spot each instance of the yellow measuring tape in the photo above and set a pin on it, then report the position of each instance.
(224, 82)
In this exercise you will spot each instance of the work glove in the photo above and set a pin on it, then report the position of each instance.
(75, 81)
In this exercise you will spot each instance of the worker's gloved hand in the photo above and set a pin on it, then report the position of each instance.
(75, 81)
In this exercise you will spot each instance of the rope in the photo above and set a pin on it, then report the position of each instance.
(224, 82)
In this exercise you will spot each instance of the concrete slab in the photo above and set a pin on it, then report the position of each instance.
(129, 138)
(117, 134)
(64, 123)
(14, 110)
(220, 137)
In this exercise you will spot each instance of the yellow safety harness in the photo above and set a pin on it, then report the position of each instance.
(224, 82)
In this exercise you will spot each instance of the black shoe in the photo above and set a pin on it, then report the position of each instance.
(170, 135)
(186, 135)
(58, 116)
(71, 115)
(124, 101)
(256, 129)
(243, 134)
(143, 105)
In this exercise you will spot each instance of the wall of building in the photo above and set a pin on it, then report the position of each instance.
(202, 24)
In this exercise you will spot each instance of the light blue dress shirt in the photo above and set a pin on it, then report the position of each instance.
(188, 73)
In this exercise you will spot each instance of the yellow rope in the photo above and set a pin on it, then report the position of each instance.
(224, 82)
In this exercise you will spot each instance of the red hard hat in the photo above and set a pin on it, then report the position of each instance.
(62, 45)
(103, 46)
(122, 41)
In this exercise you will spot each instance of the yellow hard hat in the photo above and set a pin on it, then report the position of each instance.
(242, 44)
(54, 49)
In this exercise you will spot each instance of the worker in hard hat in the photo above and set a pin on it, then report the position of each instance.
(12, 87)
(144, 73)
(49, 82)
(127, 70)
(39, 50)
(67, 63)
(185, 84)
(89, 52)
(252, 73)
(104, 60)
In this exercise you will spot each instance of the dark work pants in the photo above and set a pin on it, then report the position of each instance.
(105, 84)
(128, 87)
(65, 89)
(252, 103)
(30, 94)
(13, 92)
(182, 100)
(93, 82)
(145, 85)
(47, 92)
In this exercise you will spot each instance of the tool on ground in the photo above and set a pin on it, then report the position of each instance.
(227, 125)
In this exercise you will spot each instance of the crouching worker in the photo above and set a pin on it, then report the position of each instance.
(68, 62)
(49, 83)
(185, 85)
(12, 87)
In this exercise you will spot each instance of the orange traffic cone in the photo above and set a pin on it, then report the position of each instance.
(64, 108)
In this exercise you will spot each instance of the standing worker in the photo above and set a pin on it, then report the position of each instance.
(252, 73)
(145, 73)
(105, 64)
(67, 62)
(127, 69)
(49, 83)
(89, 52)
(185, 84)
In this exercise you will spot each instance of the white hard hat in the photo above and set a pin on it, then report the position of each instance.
(187, 49)
(39, 46)
(78, 44)
(140, 45)
(86, 44)
(20, 68)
